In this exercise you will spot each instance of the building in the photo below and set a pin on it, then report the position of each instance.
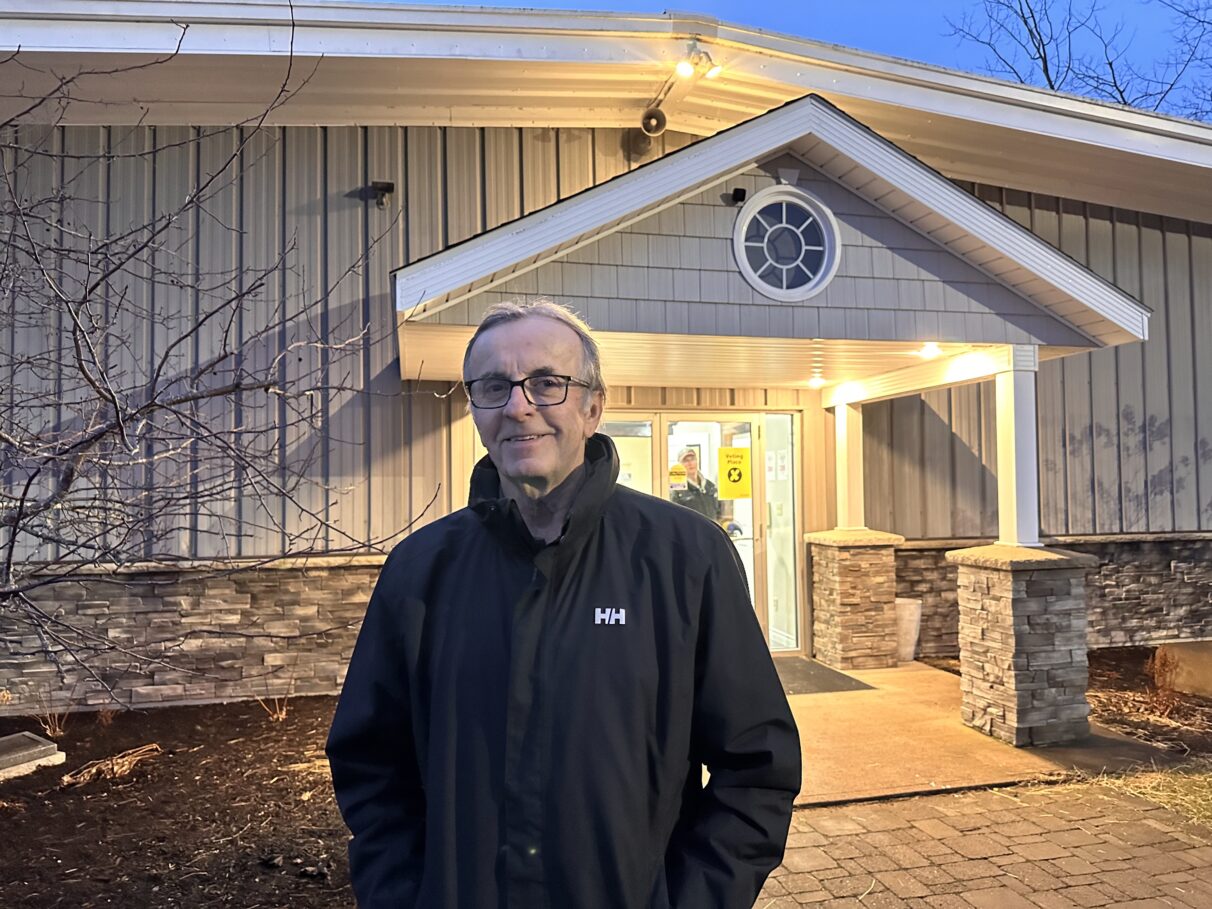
(900, 313)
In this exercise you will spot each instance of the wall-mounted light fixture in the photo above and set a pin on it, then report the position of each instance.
(382, 189)
(698, 61)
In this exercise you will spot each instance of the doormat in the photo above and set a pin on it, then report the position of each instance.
(804, 676)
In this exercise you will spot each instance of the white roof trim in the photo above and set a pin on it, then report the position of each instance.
(333, 28)
(445, 278)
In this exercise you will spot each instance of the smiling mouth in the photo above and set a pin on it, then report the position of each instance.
(529, 438)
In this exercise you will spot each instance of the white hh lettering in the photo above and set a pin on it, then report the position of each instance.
(610, 617)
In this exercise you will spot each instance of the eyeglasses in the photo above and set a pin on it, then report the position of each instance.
(541, 391)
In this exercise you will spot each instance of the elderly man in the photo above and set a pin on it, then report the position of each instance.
(541, 676)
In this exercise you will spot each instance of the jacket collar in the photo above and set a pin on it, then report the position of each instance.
(501, 516)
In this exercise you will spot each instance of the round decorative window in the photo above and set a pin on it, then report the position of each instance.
(786, 243)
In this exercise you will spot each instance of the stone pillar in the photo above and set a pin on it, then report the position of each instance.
(1022, 638)
(854, 598)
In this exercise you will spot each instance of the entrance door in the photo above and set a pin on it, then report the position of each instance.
(738, 470)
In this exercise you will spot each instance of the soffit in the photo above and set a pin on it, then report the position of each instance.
(435, 353)
(393, 64)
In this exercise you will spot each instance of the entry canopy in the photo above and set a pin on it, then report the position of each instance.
(839, 147)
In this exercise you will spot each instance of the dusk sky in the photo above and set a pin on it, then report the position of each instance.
(914, 30)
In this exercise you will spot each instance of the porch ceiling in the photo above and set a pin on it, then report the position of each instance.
(435, 352)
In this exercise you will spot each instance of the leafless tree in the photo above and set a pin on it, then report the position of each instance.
(155, 408)
(1082, 48)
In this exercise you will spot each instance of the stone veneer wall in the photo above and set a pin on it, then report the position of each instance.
(1146, 591)
(1154, 591)
(923, 574)
(266, 631)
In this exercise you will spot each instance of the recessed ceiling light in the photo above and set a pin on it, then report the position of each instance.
(816, 382)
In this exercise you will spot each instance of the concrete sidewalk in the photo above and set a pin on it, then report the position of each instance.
(1047, 847)
(904, 735)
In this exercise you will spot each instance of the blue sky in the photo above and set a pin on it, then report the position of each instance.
(900, 28)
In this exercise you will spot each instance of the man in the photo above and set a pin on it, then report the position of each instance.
(700, 493)
(541, 675)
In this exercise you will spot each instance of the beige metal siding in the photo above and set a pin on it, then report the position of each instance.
(380, 459)
(1125, 435)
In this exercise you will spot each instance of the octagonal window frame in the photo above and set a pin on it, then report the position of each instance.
(821, 215)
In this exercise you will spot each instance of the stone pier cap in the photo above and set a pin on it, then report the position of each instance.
(1005, 557)
(853, 538)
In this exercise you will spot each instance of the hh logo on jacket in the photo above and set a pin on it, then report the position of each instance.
(610, 617)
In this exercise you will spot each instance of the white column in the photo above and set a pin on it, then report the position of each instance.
(1017, 454)
(848, 425)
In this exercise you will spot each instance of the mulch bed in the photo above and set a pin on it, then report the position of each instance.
(237, 809)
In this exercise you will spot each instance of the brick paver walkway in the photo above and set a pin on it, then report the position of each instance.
(1038, 848)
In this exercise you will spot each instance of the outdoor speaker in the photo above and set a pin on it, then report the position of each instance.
(653, 121)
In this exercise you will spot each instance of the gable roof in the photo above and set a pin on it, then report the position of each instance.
(839, 147)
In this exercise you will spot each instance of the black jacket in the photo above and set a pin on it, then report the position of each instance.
(522, 726)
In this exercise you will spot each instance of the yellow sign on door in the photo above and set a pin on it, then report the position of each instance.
(677, 477)
(734, 480)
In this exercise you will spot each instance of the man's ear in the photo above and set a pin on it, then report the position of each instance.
(593, 416)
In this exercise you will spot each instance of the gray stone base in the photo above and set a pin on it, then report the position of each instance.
(1022, 636)
(266, 631)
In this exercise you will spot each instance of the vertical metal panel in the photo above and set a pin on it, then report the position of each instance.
(175, 267)
(877, 465)
(1201, 340)
(218, 530)
(426, 192)
(988, 411)
(1183, 454)
(263, 243)
(1050, 397)
(1130, 361)
(967, 501)
(540, 179)
(609, 154)
(303, 214)
(345, 161)
(938, 481)
(502, 175)
(384, 413)
(1104, 387)
(1158, 427)
(907, 426)
(1079, 427)
(575, 150)
(465, 183)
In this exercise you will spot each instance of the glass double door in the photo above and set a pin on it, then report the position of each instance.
(737, 470)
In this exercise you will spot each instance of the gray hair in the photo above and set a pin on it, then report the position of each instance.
(514, 310)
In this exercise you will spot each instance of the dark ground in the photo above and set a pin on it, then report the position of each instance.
(238, 810)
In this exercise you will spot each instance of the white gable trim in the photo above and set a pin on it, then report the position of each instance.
(989, 241)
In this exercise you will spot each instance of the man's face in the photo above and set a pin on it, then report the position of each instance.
(534, 448)
(691, 462)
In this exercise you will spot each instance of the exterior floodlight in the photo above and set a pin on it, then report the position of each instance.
(714, 71)
(929, 351)
(685, 69)
(816, 382)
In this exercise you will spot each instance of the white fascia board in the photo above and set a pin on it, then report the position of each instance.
(613, 204)
(980, 221)
(945, 372)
